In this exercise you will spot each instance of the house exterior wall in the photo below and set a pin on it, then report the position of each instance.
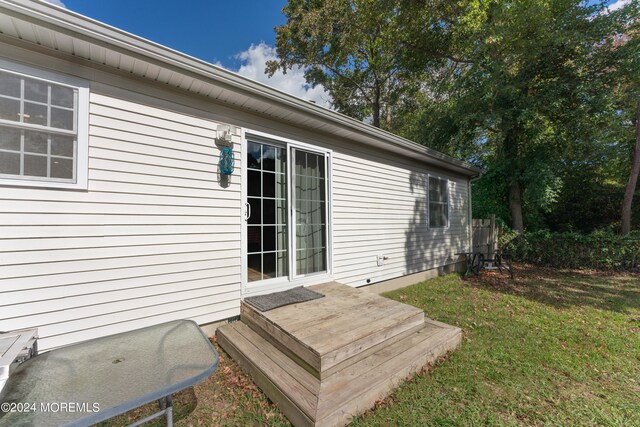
(154, 238)
(380, 209)
(158, 235)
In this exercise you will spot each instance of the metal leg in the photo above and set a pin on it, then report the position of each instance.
(498, 261)
(477, 263)
(469, 259)
(169, 411)
(509, 266)
(166, 409)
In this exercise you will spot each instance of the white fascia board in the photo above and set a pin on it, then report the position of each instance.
(62, 20)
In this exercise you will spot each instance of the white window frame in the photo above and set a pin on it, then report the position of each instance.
(448, 203)
(82, 123)
(291, 280)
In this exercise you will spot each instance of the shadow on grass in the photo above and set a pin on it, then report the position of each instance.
(566, 288)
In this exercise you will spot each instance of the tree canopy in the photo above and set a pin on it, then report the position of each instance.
(542, 93)
(349, 47)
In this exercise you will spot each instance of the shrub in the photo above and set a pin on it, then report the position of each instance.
(602, 249)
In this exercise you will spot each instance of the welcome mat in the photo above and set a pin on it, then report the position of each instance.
(279, 299)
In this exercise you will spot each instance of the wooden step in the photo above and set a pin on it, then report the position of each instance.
(335, 400)
(289, 386)
(327, 334)
(356, 389)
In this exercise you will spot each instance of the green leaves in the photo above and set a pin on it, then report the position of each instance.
(533, 90)
(349, 47)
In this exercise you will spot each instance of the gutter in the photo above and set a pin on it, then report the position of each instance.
(92, 31)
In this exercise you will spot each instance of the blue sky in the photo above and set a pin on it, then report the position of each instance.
(213, 30)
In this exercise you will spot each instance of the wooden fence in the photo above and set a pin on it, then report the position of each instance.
(485, 236)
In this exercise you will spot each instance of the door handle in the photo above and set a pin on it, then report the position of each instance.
(247, 213)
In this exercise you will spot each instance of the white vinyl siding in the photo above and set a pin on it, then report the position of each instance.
(380, 207)
(155, 237)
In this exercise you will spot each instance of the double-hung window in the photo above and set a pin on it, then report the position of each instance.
(43, 128)
(438, 202)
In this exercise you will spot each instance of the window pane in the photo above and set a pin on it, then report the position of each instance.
(9, 109)
(253, 155)
(281, 238)
(268, 211)
(268, 184)
(9, 85)
(61, 168)
(302, 212)
(35, 142)
(437, 190)
(316, 189)
(62, 145)
(443, 189)
(316, 260)
(269, 265)
(254, 183)
(62, 96)
(268, 238)
(301, 162)
(315, 236)
(438, 215)
(321, 171)
(281, 186)
(254, 238)
(9, 139)
(256, 211)
(301, 261)
(281, 160)
(35, 90)
(254, 263)
(301, 187)
(9, 163)
(268, 158)
(312, 165)
(35, 165)
(62, 119)
(314, 213)
(282, 266)
(35, 114)
(281, 211)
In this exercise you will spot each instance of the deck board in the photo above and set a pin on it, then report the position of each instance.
(329, 330)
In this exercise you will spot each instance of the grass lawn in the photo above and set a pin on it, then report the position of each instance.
(548, 348)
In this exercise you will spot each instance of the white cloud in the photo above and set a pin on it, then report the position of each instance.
(253, 65)
(618, 4)
(56, 3)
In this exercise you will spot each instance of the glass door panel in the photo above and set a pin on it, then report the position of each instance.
(267, 223)
(310, 212)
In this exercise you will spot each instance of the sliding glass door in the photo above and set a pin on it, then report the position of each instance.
(287, 212)
(267, 228)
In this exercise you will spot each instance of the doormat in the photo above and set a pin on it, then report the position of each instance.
(279, 299)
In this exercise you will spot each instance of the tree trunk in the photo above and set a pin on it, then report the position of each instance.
(515, 204)
(633, 180)
(376, 107)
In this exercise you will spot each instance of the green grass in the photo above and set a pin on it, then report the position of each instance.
(548, 348)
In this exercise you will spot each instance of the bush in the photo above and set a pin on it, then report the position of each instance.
(602, 250)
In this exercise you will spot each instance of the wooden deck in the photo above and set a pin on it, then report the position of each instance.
(324, 361)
